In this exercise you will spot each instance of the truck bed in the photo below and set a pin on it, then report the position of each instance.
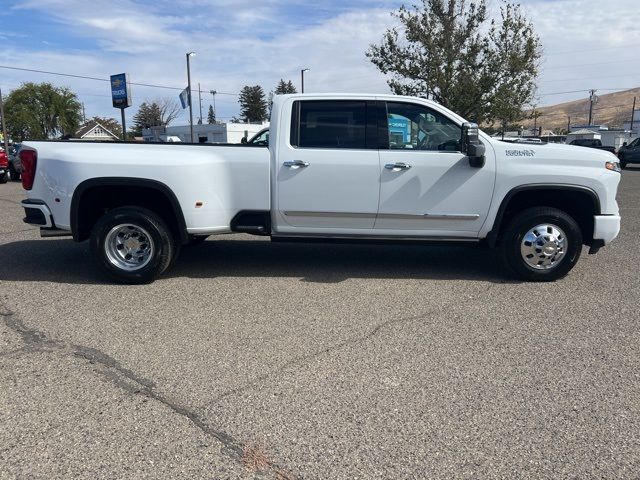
(211, 182)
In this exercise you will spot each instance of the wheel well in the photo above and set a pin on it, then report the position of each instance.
(581, 204)
(91, 201)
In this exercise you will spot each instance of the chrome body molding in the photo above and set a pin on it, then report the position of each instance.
(400, 216)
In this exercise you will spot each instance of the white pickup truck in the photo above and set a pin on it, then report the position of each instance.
(356, 167)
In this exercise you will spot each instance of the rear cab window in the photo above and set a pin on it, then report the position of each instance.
(336, 124)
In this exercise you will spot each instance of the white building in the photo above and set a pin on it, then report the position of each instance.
(609, 138)
(636, 123)
(205, 133)
(95, 131)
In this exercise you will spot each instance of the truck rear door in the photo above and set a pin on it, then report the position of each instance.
(327, 167)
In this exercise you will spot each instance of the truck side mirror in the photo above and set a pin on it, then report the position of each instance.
(471, 145)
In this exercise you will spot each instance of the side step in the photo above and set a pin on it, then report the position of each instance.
(254, 222)
(252, 229)
(55, 232)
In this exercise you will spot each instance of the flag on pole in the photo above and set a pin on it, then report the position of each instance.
(184, 98)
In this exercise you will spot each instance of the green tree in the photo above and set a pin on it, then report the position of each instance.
(283, 88)
(253, 104)
(211, 116)
(40, 111)
(450, 51)
(159, 112)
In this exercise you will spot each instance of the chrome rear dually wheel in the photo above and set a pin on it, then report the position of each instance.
(133, 244)
(129, 247)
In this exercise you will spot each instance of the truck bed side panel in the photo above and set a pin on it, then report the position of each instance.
(224, 180)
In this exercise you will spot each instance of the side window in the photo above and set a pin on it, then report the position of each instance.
(262, 139)
(329, 124)
(635, 142)
(416, 127)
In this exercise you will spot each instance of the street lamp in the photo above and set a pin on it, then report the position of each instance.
(213, 94)
(189, 55)
(302, 77)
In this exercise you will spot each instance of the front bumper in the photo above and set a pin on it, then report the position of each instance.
(605, 228)
(37, 213)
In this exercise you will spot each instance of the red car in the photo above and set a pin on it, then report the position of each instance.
(4, 166)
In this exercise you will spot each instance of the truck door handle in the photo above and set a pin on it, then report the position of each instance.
(296, 164)
(398, 166)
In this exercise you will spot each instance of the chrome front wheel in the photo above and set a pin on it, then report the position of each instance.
(544, 246)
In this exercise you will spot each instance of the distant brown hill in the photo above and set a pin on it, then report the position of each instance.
(612, 109)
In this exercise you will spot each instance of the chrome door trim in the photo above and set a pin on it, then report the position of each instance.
(295, 213)
(452, 216)
(395, 216)
(429, 216)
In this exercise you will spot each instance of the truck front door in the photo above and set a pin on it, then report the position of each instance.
(428, 187)
(327, 169)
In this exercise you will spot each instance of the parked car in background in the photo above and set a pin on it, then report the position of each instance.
(4, 166)
(629, 153)
(15, 165)
(261, 138)
(592, 143)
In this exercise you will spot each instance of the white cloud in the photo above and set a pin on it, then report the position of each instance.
(238, 42)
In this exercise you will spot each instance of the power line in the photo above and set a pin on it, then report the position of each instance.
(592, 49)
(85, 77)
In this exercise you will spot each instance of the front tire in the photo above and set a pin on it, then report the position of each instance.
(541, 244)
(132, 245)
(4, 178)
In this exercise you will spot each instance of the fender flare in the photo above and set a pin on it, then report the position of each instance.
(126, 182)
(492, 236)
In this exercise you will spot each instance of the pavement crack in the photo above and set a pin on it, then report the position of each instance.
(125, 378)
(300, 360)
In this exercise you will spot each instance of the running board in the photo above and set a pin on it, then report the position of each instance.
(252, 229)
(55, 232)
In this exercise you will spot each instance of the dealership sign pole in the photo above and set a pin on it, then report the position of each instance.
(121, 97)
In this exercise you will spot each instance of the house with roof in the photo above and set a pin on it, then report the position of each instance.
(95, 131)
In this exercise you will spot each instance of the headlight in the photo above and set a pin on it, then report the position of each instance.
(613, 166)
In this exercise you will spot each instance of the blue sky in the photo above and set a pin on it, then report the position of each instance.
(588, 44)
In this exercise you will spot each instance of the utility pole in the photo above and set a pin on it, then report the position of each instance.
(213, 94)
(592, 99)
(633, 114)
(4, 125)
(568, 123)
(200, 101)
(190, 54)
(84, 116)
(302, 78)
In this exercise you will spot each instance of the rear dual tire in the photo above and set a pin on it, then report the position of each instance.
(132, 245)
(541, 244)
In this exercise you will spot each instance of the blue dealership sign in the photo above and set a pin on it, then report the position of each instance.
(120, 92)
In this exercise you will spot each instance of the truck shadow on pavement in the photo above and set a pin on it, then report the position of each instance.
(63, 261)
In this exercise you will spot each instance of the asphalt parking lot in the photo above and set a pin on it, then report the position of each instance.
(257, 359)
